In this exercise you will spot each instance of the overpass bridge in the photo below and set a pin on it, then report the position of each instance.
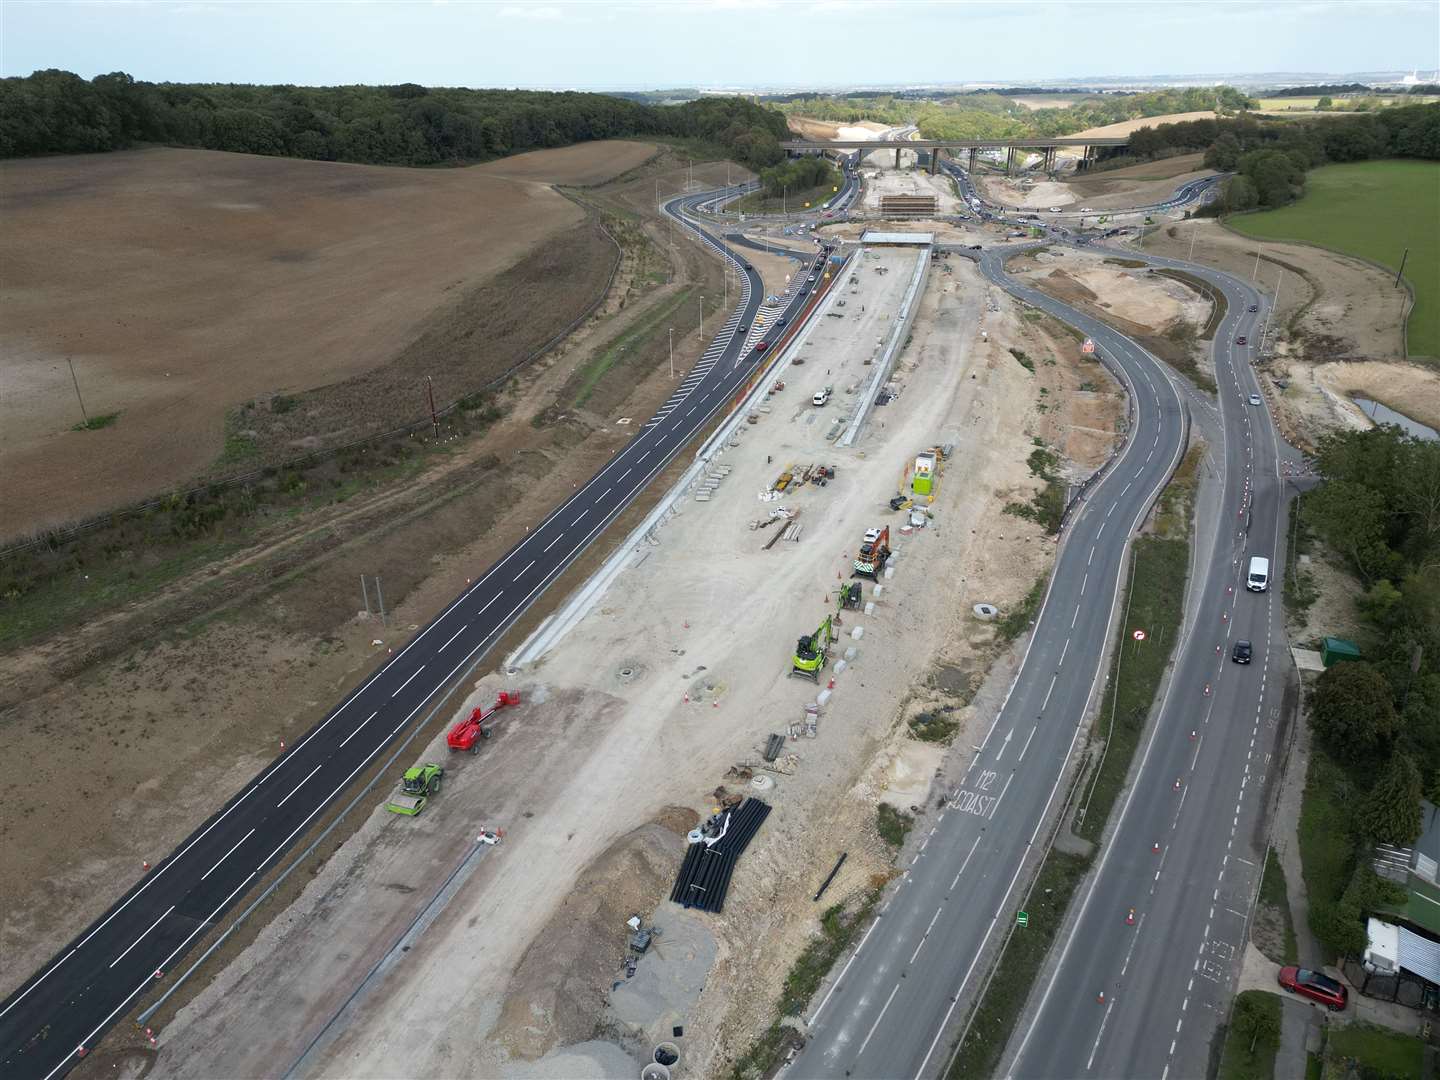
(1088, 146)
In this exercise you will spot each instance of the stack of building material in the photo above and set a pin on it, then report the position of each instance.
(705, 873)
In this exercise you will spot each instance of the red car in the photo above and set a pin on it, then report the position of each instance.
(762, 346)
(1311, 984)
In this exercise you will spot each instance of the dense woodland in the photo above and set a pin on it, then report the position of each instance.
(1378, 719)
(56, 112)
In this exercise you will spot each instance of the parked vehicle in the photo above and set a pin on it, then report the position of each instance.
(1258, 578)
(1329, 992)
(821, 396)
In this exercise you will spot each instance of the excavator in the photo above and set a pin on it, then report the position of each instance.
(813, 650)
(874, 554)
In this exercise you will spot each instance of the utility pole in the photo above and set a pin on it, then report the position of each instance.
(700, 331)
(1194, 228)
(1279, 279)
(381, 598)
(78, 398)
(1256, 269)
(672, 352)
(430, 391)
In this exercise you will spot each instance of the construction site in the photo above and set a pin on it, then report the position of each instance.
(672, 777)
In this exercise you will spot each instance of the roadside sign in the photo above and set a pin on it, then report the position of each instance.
(1088, 347)
(1022, 918)
(1138, 635)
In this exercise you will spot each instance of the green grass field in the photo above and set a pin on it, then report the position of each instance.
(1374, 209)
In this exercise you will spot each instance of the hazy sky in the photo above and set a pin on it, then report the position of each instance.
(554, 43)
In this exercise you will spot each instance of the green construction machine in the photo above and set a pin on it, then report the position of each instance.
(418, 785)
(813, 650)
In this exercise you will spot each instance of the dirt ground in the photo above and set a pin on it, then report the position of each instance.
(1122, 188)
(582, 165)
(1337, 329)
(608, 743)
(1140, 304)
(184, 282)
(882, 178)
(193, 716)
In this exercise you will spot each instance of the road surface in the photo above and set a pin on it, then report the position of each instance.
(136, 946)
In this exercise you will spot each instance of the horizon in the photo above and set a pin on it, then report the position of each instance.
(575, 45)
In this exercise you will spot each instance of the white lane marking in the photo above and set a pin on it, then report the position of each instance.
(361, 725)
(1027, 743)
(926, 934)
(877, 1020)
(1074, 617)
(298, 786)
(1083, 582)
(227, 854)
(1063, 651)
(1049, 692)
(996, 805)
(966, 863)
(1099, 1035)
(624, 474)
(531, 563)
(447, 644)
(409, 680)
(552, 543)
(141, 937)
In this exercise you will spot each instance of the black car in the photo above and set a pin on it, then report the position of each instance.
(1253, 307)
(1242, 652)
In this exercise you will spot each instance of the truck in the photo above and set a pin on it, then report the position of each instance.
(468, 733)
(874, 554)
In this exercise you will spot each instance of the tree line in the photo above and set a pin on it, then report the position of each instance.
(57, 112)
(797, 175)
(1272, 156)
(1378, 718)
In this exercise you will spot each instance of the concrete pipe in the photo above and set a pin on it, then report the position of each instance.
(655, 1071)
(667, 1054)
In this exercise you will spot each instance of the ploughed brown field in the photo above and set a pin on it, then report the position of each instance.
(184, 282)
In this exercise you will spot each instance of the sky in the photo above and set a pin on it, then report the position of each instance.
(708, 43)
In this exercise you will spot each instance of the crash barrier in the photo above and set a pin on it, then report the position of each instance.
(899, 333)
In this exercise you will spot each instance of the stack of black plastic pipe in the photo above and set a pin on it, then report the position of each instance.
(705, 873)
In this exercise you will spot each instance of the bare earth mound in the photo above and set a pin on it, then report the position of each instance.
(183, 282)
(580, 165)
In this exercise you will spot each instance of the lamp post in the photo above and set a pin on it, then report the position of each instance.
(672, 352)
(700, 330)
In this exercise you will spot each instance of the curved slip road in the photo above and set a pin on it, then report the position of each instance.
(1197, 790)
(62, 1011)
(889, 1008)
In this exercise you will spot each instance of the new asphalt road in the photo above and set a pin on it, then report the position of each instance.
(58, 1014)
(1186, 853)
(890, 1010)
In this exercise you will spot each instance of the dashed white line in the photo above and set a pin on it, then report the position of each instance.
(227, 854)
(531, 563)
(408, 681)
(141, 937)
(297, 787)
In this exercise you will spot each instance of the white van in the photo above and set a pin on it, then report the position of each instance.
(1258, 579)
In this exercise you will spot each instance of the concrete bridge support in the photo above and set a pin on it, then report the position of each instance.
(897, 157)
(1049, 166)
(934, 161)
(972, 158)
(1009, 159)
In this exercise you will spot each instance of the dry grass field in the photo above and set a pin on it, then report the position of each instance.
(183, 283)
(1127, 127)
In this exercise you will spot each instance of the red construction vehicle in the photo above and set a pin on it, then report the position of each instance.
(874, 554)
(468, 733)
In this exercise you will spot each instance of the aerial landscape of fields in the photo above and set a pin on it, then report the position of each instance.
(523, 556)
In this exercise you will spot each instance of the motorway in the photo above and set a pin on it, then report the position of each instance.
(890, 1009)
(1199, 794)
(60, 1013)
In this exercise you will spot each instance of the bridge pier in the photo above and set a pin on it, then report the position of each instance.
(973, 151)
(934, 161)
(897, 157)
(1049, 159)
(1009, 159)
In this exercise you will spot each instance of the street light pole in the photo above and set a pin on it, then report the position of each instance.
(700, 330)
(1256, 269)
(1194, 228)
(672, 352)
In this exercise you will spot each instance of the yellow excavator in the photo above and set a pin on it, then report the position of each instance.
(813, 650)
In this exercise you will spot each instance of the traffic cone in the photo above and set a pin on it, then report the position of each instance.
(1155, 848)
(687, 699)
(831, 684)
(159, 974)
(282, 744)
(1192, 735)
(1177, 783)
(1207, 689)
(1101, 997)
(1130, 917)
(145, 865)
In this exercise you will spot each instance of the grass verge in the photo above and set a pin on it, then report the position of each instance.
(1377, 210)
(794, 202)
(1327, 852)
(589, 376)
(1017, 620)
(1154, 604)
(95, 423)
(1025, 951)
(1274, 932)
(1371, 1051)
(893, 824)
(1249, 1052)
(838, 928)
